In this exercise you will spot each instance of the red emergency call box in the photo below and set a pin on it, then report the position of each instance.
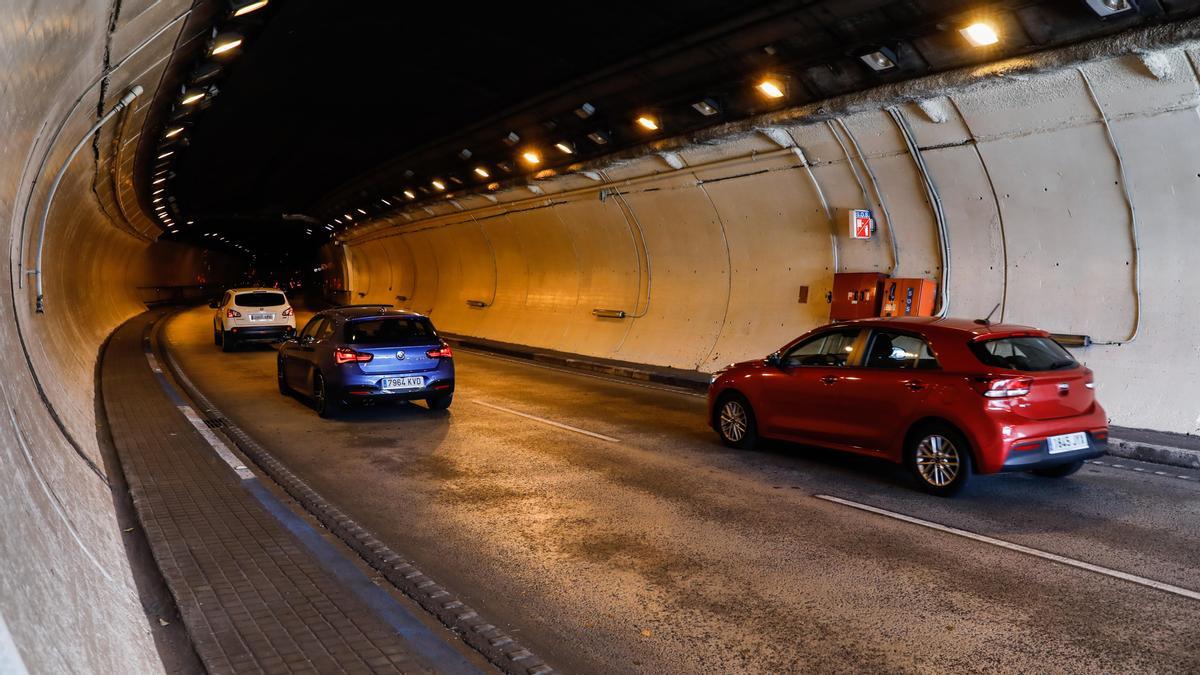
(908, 297)
(856, 295)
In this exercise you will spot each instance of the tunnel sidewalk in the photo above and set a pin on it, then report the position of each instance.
(258, 588)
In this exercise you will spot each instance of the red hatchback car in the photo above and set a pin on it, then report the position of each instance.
(946, 397)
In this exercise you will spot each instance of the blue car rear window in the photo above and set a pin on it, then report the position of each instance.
(390, 331)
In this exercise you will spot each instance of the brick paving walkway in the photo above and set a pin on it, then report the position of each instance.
(252, 596)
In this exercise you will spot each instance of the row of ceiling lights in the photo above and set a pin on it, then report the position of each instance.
(223, 45)
(771, 87)
(978, 34)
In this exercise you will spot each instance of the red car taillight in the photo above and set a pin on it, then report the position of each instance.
(1004, 387)
(289, 311)
(346, 355)
(232, 314)
(443, 352)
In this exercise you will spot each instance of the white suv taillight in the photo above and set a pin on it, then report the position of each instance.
(289, 311)
(232, 314)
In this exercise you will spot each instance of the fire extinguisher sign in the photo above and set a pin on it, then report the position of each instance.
(861, 224)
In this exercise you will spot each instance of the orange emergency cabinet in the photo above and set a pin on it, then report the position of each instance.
(908, 297)
(856, 295)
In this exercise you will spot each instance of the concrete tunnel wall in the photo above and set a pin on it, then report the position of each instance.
(68, 599)
(709, 259)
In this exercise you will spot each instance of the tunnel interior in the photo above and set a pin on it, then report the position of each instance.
(669, 186)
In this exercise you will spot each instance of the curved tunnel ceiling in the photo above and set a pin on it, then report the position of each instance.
(330, 109)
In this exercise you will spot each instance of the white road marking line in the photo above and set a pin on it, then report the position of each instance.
(1116, 574)
(217, 445)
(221, 449)
(552, 423)
(10, 658)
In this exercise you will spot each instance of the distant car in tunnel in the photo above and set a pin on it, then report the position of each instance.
(945, 397)
(367, 353)
(252, 315)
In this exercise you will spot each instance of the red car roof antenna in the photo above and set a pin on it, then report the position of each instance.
(987, 321)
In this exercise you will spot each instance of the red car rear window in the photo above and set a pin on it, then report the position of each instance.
(1026, 353)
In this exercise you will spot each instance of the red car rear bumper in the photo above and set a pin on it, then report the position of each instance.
(1005, 441)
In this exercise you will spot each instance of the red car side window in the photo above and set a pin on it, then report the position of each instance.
(828, 349)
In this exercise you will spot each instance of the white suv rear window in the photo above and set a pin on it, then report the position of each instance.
(259, 299)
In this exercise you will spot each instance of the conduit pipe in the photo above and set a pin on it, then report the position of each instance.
(128, 98)
(1133, 219)
(508, 207)
(878, 193)
(812, 177)
(935, 203)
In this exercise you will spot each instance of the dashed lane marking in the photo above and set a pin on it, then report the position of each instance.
(552, 423)
(1139, 469)
(1054, 557)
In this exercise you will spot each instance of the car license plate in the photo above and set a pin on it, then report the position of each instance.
(261, 317)
(1067, 442)
(402, 382)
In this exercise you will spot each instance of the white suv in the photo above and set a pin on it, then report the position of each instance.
(252, 315)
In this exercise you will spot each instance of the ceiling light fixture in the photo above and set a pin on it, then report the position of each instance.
(531, 157)
(438, 185)
(409, 194)
(242, 9)
(880, 59)
(481, 172)
(980, 34)
(771, 88)
(361, 211)
(160, 180)
(512, 139)
(564, 148)
(464, 154)
(225, 42)
(598, 137)
(166, 154)
(173, 132)
(1107, 8)
(647, 122)
(191, 96)
(707, 107)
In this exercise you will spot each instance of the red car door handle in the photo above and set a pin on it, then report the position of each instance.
(829, 379)
(915, 385)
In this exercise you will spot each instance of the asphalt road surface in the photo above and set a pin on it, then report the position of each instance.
(608, 530)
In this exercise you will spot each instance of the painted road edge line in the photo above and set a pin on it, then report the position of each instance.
(543, 420)
(1116, 574)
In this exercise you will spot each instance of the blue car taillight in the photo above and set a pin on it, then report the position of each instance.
(443, 352)
(343, 355)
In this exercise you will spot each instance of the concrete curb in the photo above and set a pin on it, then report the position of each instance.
(1150, 452)
(694, 381)
(498, 647)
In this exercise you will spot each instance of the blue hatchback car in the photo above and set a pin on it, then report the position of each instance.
(367, 352)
